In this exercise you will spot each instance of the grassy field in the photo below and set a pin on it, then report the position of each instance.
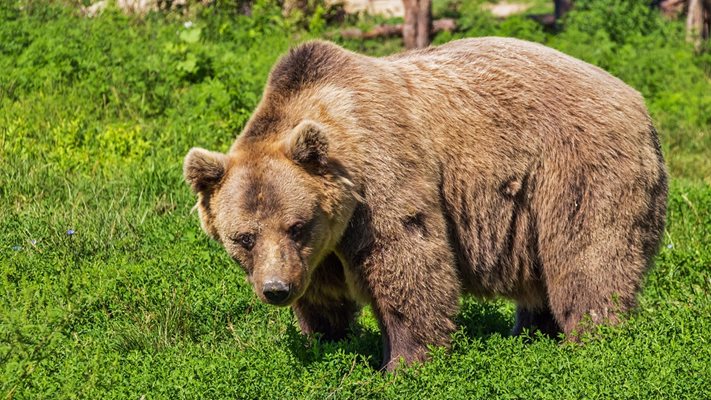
(108, 288)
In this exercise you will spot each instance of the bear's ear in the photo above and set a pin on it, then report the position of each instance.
(204, 169)
(307, 145)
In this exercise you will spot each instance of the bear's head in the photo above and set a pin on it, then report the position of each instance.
(277, 206)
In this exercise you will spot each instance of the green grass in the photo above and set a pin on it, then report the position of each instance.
(95, 117)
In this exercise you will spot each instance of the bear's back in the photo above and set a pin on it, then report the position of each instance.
(526, 89)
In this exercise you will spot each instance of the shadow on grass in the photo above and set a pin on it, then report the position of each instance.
(361, 341)
(478, 319)
(482, 319)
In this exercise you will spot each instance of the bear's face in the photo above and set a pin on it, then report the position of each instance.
(277, 208)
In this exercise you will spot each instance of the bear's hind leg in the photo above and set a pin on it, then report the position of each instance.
(596, 289)
(578, 306)
(599, 226)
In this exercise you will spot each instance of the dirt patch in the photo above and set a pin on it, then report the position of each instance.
(387, 8)
(504, 9)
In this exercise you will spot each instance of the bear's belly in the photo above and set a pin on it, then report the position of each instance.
(494, 239)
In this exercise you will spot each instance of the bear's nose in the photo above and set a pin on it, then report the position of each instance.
(276, 291)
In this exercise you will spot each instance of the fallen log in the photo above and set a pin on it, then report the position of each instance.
(438, 25)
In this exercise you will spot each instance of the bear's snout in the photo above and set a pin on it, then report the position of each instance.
(276, 292)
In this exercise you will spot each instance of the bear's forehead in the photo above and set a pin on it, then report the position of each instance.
(265, 189)
(259, 193)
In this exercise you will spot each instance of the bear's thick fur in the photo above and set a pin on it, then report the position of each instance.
(489, 166)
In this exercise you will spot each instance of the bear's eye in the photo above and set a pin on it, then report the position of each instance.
(245, 240)
(295, 231)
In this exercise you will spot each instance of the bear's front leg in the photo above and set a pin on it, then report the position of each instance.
(415, 294)
(326, 307)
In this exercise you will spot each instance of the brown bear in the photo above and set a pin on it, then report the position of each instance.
(489, 166)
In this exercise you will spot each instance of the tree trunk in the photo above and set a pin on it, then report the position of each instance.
(698, 22)
(409, 28)
(552, 21)
(418, 23)
(562, 7)
(424, 23)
